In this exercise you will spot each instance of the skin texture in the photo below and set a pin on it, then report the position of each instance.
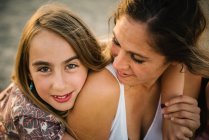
(55, 69)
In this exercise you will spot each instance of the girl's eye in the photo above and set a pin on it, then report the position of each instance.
(44, 69)
(115, 42)
(133, 57)
(71, 66)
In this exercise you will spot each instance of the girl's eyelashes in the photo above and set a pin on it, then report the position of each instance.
(115, 42)
(136, 60)
(71, 66)
(43, 69)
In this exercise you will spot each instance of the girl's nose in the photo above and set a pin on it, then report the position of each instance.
(59, 81)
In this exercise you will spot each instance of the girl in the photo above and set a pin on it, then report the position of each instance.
(55, 54)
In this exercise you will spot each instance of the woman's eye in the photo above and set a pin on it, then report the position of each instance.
(71, 66)
(115, 42)
(133, 57)
(44, 69)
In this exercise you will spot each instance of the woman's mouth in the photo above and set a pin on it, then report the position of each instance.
(122, 75)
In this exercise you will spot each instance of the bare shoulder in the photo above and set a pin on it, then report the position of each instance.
(102, 81)
(95, 108)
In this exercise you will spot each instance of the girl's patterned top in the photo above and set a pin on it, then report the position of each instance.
(23, 120)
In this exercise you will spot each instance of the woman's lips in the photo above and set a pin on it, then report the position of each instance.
(122, 74)
(63, 98)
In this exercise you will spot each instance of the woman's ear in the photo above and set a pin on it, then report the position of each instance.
(174, 63)
(180, 66)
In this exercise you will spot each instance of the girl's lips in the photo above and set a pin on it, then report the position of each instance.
(62, 99)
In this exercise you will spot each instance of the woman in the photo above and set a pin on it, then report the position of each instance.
(149, 36)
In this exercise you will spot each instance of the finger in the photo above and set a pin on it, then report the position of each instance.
(190, 124)
(184, 138)
(184, 133)
(184, 115)
(182, 99)
(181, 107)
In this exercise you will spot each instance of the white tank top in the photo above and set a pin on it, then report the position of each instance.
(119, 125)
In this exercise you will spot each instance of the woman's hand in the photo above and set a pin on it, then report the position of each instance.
(182, 118)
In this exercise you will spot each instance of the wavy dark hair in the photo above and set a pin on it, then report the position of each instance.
(174, 27)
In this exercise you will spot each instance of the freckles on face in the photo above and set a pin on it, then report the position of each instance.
(135, 60)
(55, 69)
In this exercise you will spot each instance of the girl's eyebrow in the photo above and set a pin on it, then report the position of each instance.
(71, 58)
(38, 63)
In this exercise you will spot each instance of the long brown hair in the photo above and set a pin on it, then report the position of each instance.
(63, 22)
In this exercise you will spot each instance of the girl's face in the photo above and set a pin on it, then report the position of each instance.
(56, 70)
(135, 60)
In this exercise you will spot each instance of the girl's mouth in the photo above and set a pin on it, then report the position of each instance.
(63, 98)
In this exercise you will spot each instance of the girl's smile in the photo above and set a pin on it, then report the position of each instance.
(55, 70)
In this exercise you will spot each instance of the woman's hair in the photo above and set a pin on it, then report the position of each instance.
(174, 27)
(204, 112)
(60, 20)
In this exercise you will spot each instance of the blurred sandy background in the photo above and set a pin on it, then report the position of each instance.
(15, 13)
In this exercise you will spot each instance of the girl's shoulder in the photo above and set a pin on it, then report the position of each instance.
(21, 118)
(15, 103)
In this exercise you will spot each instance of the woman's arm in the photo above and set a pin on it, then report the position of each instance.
(172, 83)
(182, 113)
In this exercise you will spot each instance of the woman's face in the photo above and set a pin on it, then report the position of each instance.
(56, 70)
(135, 60)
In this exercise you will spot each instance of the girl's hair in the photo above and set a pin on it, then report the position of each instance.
(174, 27)
(63, 22)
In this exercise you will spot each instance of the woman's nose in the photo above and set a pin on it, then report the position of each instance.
(121, 61)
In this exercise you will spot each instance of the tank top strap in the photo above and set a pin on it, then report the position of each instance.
(119, 125)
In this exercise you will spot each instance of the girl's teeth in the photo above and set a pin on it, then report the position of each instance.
(60, 97)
